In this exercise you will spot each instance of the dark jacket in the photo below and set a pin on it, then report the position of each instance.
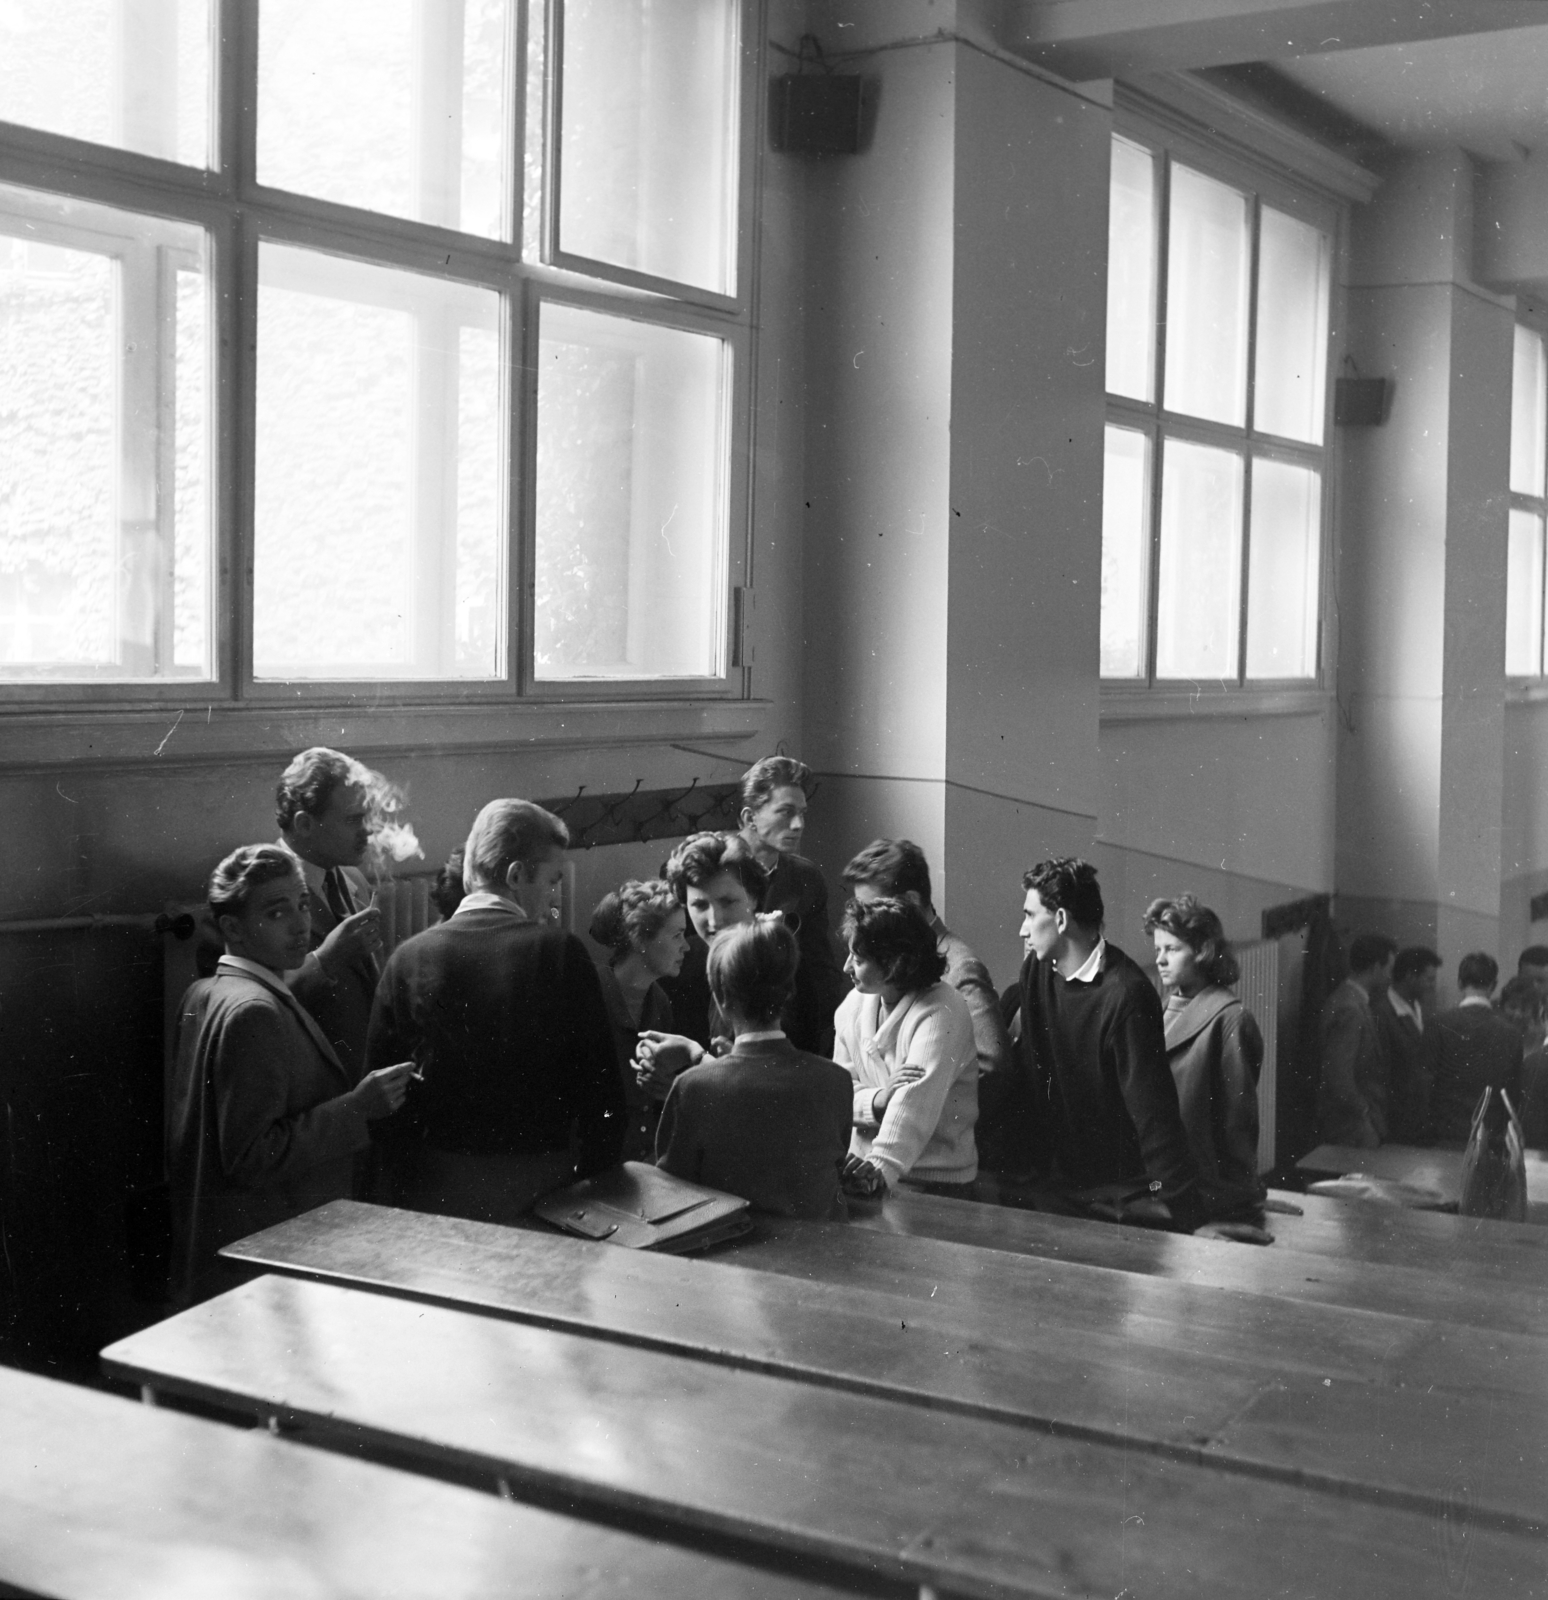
(257, 1130)
(655, 1014)
(1102, 1095)
(1352, 1099)
(1475, 1049)
(341, 1005)
(1215, 1051)
(768, 1122)
(506, 1020)
(798, 890)
(1409, 1056)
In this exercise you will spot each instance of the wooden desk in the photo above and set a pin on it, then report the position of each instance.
(1422, 1166)
(1036, 1343)
(103, 1499)
(876, 1488)
(1498, 1292)
(1364, 1230)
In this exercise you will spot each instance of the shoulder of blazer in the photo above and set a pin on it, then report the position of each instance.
(1182, 1027)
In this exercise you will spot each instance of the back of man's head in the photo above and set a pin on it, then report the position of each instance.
(507, 833)
(1535, 955)
(1369, 951)
(1068, 884)
(892, 866)
(1478, 970)
(311, 780)
(763, 777)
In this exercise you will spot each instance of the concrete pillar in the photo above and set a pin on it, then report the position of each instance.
(1422, 572)
(956, 301)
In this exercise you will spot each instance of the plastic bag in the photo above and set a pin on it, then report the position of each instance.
(1494, 1163)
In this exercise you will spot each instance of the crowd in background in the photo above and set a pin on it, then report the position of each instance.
(719, 1028)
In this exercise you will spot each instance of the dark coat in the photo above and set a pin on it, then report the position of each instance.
(257, 1130)
(1215, 1051)
(767, 1122)
(1475, 1049)
(798, 890)
(506, 1020)
(656, 1015)
(1410, 1067)
(1352, 1099)
(341, 1005)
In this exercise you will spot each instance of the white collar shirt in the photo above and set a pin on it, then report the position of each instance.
(1091, 968)
(1405, 1008)
(485, 900)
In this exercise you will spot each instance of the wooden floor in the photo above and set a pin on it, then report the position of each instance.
(968, 1399)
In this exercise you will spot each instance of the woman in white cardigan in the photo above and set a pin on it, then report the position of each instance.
(906, 1039)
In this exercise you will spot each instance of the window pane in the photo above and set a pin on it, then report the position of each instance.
(1524, 596)
(1208, 251)
(393, 105)
(648, 137)
(130, 73)
(1283, 568)
(1201, 562)
(104, 430)
(631, 499)
(1131, 273)
(1125, 552)
(1295, 264)
(1528, 425)
(377, 519)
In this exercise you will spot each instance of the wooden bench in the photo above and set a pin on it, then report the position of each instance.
(1508, 1297)
(1242, 1381)
(102, 1499)
(874, 1487)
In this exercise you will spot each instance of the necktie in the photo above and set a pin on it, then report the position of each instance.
(336, 891)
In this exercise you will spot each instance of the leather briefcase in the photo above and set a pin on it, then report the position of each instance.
(643, 1208)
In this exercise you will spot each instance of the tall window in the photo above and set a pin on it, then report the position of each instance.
(374, 340)
(1525, 562)
(1217, 338)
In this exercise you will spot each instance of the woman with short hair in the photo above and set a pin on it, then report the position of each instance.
(1213, 1047)
(644, 930)
(263, 1120)
(765, 1121)
(906, 1039)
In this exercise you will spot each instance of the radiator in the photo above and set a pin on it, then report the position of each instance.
(405, 906)
(1258, 991)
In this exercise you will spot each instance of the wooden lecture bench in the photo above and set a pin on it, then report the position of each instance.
(1501, 1285)
(876, 1488)
(1423, 1166)
(1356, 1402)
(103, 1499)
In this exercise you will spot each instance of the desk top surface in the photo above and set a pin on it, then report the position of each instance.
(1110, 1354)
(102, 1497)
(1424, 1166)
(881, 1487)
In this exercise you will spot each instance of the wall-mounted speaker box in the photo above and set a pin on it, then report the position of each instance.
(1362, 402)
(815, 114)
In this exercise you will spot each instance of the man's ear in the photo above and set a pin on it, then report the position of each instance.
(517, 874)
(302, 824)
(745, 818)
(1061, 920)
(230, 927)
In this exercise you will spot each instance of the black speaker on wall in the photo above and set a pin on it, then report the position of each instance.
(1362, 402)
(815, 114)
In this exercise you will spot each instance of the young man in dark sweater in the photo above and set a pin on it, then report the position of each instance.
(502, 1012)
(1103, 1107)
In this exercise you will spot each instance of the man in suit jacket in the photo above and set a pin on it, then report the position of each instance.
(1475, 1049)
(322, 805)
(1352, 1100)
(897, 868)
(1404, 1019)
(504, 1014)
(263, 1119)
(772, 822)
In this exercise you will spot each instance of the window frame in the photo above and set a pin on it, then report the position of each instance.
(237, 213)
(1170, 137)
(1531, 685)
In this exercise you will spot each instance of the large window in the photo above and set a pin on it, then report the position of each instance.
(399, 341)
(1524, 562)
(1217, 340)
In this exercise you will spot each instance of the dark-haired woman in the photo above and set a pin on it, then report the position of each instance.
(644, 930)
(1213, 1047)
(906, 1039)
(263, 1121)
(766, 1121)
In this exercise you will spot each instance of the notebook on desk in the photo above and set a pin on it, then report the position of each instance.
(643, 1208)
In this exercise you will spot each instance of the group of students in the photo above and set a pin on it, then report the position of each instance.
(1397, 1068)
(492, 1059)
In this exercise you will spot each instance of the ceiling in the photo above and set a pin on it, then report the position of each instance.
(1486, 92)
